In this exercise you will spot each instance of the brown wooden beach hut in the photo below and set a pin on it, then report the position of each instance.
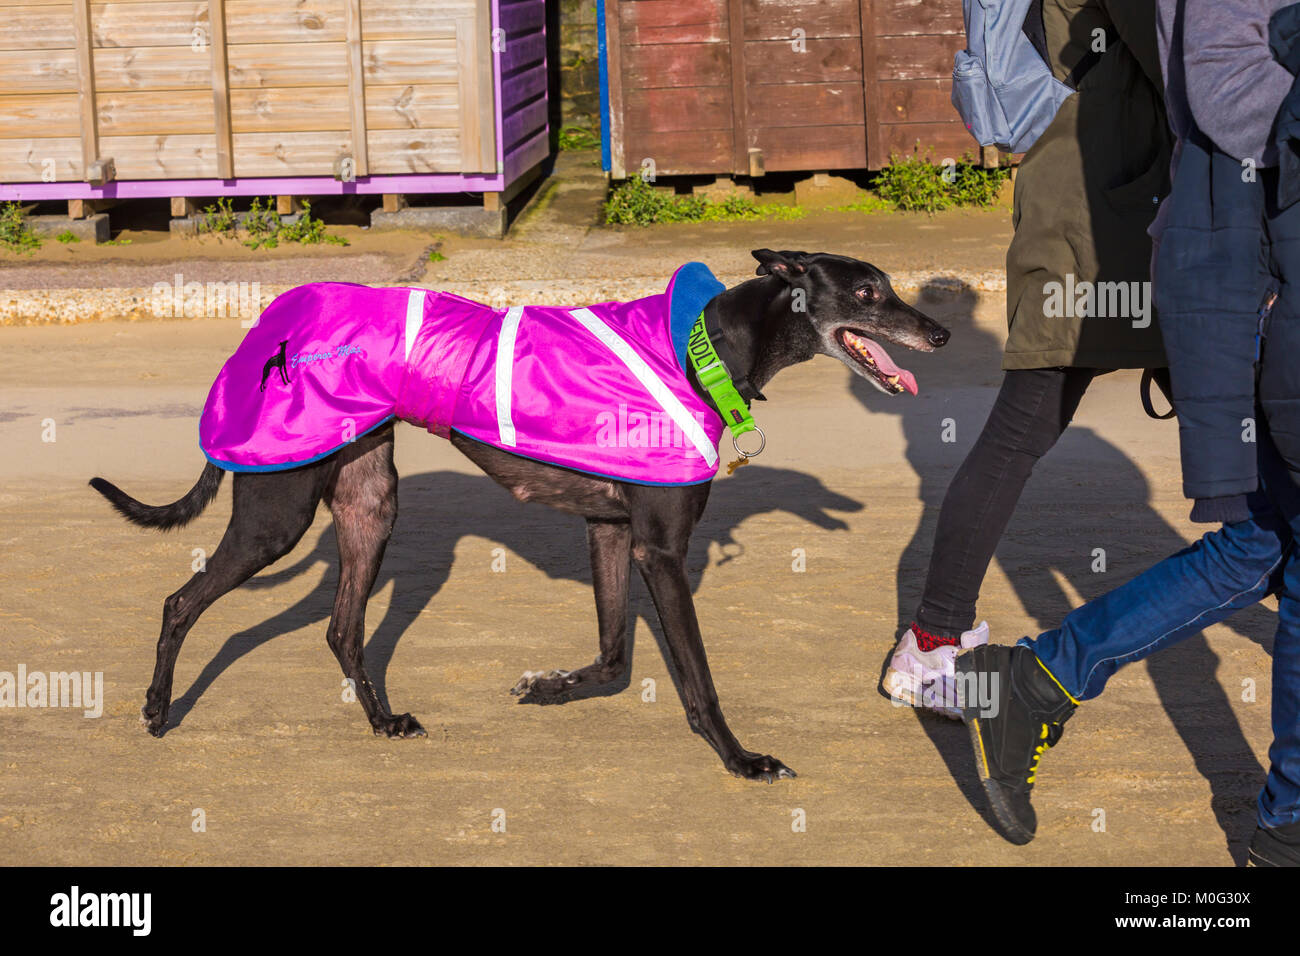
(752, 86)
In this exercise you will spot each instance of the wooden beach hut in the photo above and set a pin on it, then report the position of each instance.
(752, 86)
(207, 98)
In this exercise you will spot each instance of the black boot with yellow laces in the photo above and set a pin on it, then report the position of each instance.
(1014, 709)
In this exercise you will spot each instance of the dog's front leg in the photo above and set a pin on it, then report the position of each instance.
(363, 500)
(661, 525)
(611, 570)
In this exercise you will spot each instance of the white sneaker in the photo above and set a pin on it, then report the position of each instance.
(926, 679)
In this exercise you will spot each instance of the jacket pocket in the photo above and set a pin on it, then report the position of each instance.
(1143, 193)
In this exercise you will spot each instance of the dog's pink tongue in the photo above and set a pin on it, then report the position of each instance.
(886, 364)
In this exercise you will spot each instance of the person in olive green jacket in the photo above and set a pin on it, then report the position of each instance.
(1078, 305)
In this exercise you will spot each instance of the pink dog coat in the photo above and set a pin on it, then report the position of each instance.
(600, 389)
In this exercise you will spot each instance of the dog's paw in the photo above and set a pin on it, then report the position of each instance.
(399, 725)
(762, 767)
(542, 687)
(155, 721)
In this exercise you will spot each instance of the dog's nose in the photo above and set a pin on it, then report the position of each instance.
(938, 337)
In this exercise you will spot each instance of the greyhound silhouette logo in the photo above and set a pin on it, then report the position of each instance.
(278, 361)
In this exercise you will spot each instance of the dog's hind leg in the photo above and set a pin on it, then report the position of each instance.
(611, 568)
(662, 522)
(363, 499)
(270, 515)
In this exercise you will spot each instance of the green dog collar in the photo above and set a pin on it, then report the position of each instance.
(715, 378)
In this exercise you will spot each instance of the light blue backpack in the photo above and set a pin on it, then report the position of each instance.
(1001, 84)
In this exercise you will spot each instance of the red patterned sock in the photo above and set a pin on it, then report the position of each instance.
(925, 641)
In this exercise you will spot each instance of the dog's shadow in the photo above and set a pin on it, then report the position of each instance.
(436, 510)
(1051, 538)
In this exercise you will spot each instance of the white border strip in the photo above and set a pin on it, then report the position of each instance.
(660, 392)
(414, 319)
(504, 374)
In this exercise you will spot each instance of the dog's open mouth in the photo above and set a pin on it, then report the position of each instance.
(876, 361)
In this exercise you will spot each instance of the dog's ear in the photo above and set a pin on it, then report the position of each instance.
(787, 265)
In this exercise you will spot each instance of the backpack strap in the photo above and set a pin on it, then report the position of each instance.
(1090, 59)
(1161, 377)
(1033, 29)
(1036, 32)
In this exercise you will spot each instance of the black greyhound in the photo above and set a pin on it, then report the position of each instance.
(802, 305)
(278, 361)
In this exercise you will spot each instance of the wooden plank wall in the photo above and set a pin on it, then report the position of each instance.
(525, 131)
(696, 85)
(401, 86)
(415, 118)
(804, 90)
(40, 119)
(671, 96)
(915, 41)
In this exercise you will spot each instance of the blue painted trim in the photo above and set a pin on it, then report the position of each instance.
(602, 59)
(232, 466)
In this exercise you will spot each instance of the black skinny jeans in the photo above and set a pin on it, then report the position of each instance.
(1032, 409)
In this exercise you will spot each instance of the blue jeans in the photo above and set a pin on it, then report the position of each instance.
(1228, 569)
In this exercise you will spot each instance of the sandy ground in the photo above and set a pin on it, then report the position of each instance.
(285, 771)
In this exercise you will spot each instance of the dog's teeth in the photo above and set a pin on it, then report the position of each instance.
(894, 380)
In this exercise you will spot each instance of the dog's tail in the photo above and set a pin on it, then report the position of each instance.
(164, 517)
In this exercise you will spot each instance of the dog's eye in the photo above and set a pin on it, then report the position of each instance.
(867, 293)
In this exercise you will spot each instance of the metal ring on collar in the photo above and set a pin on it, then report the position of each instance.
(762, 443)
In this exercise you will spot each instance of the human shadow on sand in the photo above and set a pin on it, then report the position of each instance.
(1052, 535)
(437, 509)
